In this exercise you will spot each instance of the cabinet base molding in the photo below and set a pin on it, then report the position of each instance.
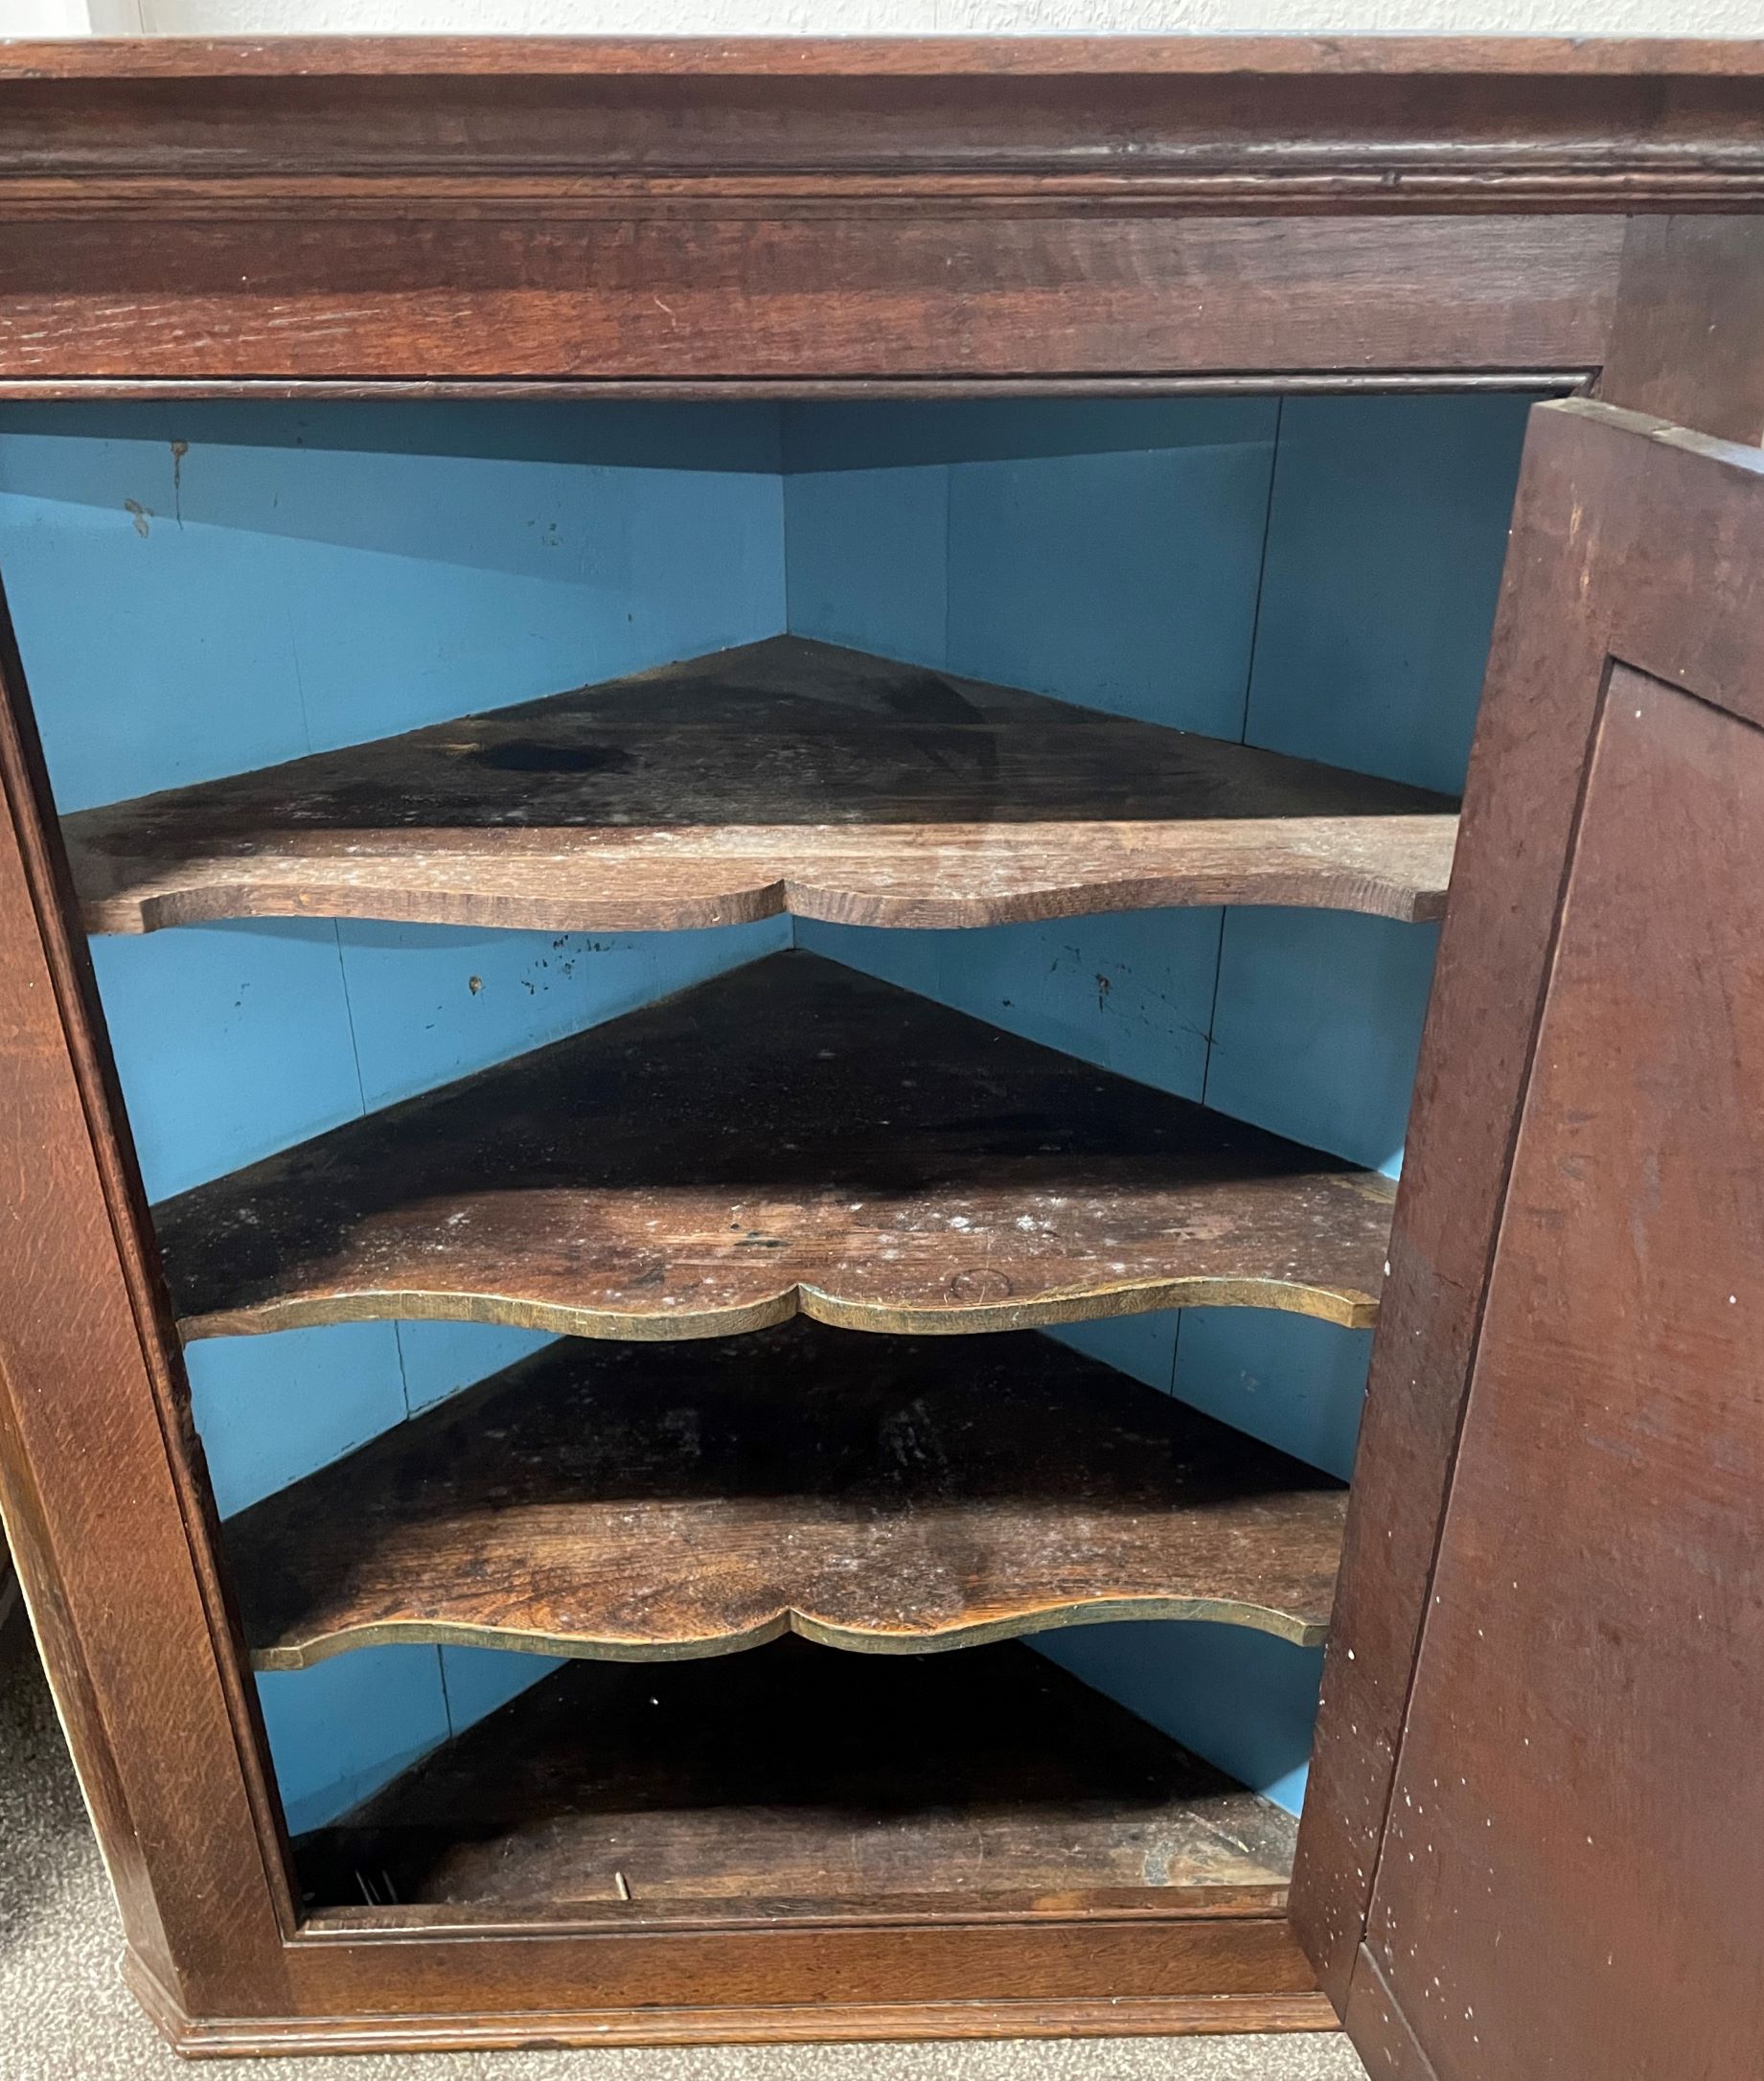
(807, 2022)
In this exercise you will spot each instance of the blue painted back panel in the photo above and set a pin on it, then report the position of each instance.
(905, 433)
(1386, 540)
(1106, 552)
(1130, 991)
(868, 560)
(262, 599)
(1317, 1025)
(206, 591)
(1243, 1699)
(1386, 533)
(1317, 576)
(1324, 584)
(1126, 582)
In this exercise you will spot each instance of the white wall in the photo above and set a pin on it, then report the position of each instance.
(852, 17)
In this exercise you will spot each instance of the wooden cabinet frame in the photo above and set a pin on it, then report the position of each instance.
(703, 220)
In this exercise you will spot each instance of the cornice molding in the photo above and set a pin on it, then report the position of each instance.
(498, 126)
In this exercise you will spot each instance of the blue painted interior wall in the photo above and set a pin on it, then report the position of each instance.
(202, 593)
(208, 590)
(1317, 575)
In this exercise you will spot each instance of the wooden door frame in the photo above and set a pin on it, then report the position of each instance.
(1591, 586)
(1687, 282)
(1457, 217)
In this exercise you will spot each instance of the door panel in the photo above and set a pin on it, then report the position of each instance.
(1574, 1868)
(1570, 1868)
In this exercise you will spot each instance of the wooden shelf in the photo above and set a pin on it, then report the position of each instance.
(785, 776)
(893, 1495)
(795, 1775)
(793, 1136)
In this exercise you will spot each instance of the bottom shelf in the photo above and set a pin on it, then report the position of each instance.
(795, 1774)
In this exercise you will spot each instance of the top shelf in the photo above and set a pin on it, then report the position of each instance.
(784, 776)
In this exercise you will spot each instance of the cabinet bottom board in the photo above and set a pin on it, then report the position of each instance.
(793, 1780)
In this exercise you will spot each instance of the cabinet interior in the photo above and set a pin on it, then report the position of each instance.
(769, 1044)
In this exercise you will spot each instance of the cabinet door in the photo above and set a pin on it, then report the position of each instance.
(1534, 1844)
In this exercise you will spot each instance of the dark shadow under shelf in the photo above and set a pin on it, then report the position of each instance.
(771, 1782)
(792, 1136)
(643, 1501)
(784, 776)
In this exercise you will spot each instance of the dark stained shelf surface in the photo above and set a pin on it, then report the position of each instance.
(784, 776)
(795, 1774)
(791, 1136)
(885, 1493)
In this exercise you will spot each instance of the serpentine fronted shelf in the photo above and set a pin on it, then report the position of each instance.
(892, 1494)
(791, 1136)
(784, 776)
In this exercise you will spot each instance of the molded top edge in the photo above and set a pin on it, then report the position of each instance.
(1564, 57)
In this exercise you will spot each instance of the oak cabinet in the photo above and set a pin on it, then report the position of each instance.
(795, 1222)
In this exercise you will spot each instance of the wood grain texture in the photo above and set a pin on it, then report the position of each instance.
(1391, 123)
(809, 210)
(1617, 1428)
(1614, 1434)
(684, 1914)
(791, 1136)
(640, 1502)
(1380, 2032)
(930, 58)
(100, 1485)
(563, 293)
(1550, 636)
(1687, 339)
(783, 776)
(1188, 1952)
(793, 1773)
(283, 389)
(683, 1970)
(530, 213)
(1178, 1957)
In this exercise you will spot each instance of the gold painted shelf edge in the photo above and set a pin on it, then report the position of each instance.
(792, 1136)
(889, 1496)
(1100, 1610)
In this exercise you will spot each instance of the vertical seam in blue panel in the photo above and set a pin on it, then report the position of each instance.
(1206, 1072)
(1243, 735)
(361, 1092)
(1243, 738)
(948, 537)
(446, 1702)
(1261, 574)
(784, 539)
(1244, 729)
(785, 474)
(1212, 1010)
(349, 1014)
(398, 1345)
(300, 684)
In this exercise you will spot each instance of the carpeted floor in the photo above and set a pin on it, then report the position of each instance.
(64, 2015)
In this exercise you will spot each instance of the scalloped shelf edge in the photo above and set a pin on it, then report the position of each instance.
(1346, 1308)
(1324, 886)
(325, 1647)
